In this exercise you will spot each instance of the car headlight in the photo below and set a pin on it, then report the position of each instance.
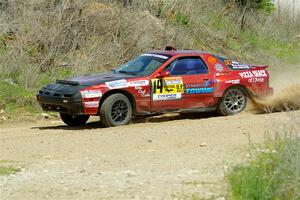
(91, 93)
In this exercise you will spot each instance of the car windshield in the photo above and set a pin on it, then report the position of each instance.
(143, 65)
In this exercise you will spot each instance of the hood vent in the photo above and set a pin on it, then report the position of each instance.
(65, 82)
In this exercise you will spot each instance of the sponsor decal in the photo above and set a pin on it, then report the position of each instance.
(199, 85)
(138, 83)
(117, 84)
(227, 62)
(236, 81)
(155, 55)
(254, 73)
(199, 90)
(256, 80)
(211, 60)
(236, 65)
(163, 97)
(91, 93)
(91, 104)
(143, 93)
(167, 85)
(219, 67)
(172, 81)
(193, 85)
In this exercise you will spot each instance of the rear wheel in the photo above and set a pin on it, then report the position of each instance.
(233, 102)
(74, 120)
(116, 110)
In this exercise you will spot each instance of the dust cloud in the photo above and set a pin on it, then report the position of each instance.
(286, 83)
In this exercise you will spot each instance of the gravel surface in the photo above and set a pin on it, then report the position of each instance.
(164, 157)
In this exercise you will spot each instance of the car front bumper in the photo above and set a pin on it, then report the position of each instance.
(62, 105)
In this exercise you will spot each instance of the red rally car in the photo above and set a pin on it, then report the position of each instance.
(157, 82)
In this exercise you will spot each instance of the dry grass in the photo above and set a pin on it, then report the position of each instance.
(41, 41)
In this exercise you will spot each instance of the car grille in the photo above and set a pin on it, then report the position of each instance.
(59, 90)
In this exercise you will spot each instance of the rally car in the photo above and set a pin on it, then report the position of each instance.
(157, 82)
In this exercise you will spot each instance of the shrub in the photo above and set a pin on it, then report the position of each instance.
(273, 173)
(13, 95)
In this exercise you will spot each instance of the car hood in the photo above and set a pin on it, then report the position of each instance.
(95, 79)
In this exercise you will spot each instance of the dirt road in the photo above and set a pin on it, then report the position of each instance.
(164, 158)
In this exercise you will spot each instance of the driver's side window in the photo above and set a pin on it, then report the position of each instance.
(187, 66)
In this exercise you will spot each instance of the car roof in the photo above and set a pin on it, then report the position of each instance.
(176, 52)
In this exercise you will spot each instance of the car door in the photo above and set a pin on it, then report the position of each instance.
(190, 85)
(199, 83)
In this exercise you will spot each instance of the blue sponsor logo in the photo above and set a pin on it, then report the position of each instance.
(199, 90)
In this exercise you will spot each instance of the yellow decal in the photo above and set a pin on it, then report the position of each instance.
(227, 62)
(167, 85)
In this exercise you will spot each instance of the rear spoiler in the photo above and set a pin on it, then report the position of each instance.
(232, 64)
(239, 66)
(66, 82)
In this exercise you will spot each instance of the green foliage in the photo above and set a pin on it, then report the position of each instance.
(263, 5)
(52, 75)
(274, 173)
(13, 95)
(32, 50)
(182, 19)
(7, 170)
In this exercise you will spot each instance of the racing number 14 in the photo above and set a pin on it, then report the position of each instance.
(157, 85)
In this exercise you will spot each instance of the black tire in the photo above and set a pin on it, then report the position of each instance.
(74, 120)
(116, 110)
(234, 101)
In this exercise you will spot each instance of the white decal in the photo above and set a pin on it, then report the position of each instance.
(162, 97)
(138, 83)
(256, 80)
(155, 55)
(172, 81)
(236, 65)
(143, 93)
(117, 84)
(91, 104)
(254, 73)
(219, 67)
(91, 93)
(237, 81)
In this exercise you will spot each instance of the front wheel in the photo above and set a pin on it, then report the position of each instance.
(74, 120)
(233, 102)
(116, 110)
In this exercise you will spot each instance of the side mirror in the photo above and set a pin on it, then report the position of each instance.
(162, 74)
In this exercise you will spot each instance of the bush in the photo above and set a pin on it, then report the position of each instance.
(264, 5)
(273, 173)
(41, 41)
(13, 95)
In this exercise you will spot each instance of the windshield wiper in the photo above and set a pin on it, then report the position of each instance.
(126, 72)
